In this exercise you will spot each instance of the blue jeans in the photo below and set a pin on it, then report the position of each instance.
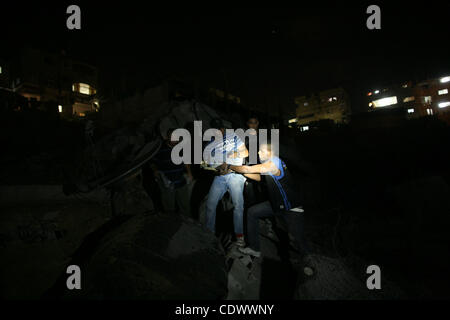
(234, 184)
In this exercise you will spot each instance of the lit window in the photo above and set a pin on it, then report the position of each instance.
(427, 99)
(83, 88)
(443, 91)
(445, 79)
(411, 110)
(305, 104)
(331, 99)
(305, 128)
(444, 104)
(377, 91)
(405, 85)
(369, 94)
(408, 99)
(0, 69)
(293, 120)
(429, 111)
(385, 102)
(60, 108)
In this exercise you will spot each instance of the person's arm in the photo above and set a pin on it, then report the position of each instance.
(189, 172)
(266, 168)
(241, 152)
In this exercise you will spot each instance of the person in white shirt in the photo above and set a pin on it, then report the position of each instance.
(231, 150)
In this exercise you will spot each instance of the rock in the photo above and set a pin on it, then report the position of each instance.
(334, 280)
(155, 257)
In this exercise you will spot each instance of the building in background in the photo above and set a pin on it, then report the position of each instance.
(332, 105)
(425, 98)
(55, 82)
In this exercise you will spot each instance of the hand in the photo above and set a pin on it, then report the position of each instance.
(223, 169)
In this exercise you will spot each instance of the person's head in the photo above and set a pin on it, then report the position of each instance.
(217, 124)
(253, 122)
(169, 139)
(265, 151)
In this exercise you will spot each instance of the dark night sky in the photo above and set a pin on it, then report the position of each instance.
(271, 52)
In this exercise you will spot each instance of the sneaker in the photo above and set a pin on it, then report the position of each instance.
(249, 251)
(240, 242)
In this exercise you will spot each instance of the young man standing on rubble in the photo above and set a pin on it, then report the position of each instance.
(229, 150)
(283, 201)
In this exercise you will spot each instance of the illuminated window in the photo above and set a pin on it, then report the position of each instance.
(369, 94)
(427, 99)
(385, 102)
(60, 108)
(305, 104)
(331, 99)
(83, 88)
(305, 128)
(445, 79)
(405, 85)
(293, 120)
(443, 91)
(429, 111)
(0, 69)
(411, 110)
(408, 99)
(444, 104)
(377, 91)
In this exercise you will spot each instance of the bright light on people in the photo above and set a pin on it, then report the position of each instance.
(445, 79)
(385, 102)
(444, 104)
